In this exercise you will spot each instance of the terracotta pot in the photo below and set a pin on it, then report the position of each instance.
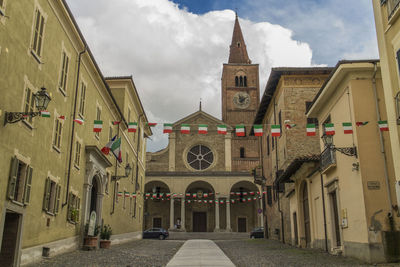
(90, 241)
(105, 243)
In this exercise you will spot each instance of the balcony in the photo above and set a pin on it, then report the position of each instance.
(392, 6)
(328, 158)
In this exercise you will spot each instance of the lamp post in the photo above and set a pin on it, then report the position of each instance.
(42, 100)
(348, 151)
(128, 170)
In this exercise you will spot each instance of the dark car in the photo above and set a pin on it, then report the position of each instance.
(257, 232)
(159, 233)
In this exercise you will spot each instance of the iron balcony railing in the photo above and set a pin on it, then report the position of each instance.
(392, 6)
(328, 158)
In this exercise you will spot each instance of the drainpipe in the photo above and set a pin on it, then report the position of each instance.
(137, 163)
(382, 143)
(264, 214)
(324, 212)
(73, 125)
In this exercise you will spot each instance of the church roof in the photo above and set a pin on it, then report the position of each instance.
(238, 51)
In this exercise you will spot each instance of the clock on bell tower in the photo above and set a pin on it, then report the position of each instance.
(240, 99)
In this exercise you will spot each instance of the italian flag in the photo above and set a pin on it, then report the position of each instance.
(221, 129)
(154, 194)
(264, 192)
(151, 124)
(127, 194)
(347, 127)
(98, 125)
(276, 130)
(107, 148)
(290, 125)
(116, 122)
(116, 149)
(45, 113)
(205, 195)
(119, 194)
(383, 126)
(252, 193)
(134, 195)
(258, 130)
(168, 194)
(221, 201)
(194, 195)
(187, 194)
(204, 201)
(189, 201)
(62, 117)
(329, 129)
(147, 194)
(238, 193)
(244, 193)
(185, 129)
(240, 130)
(167, 128)
(232, 193)
(361, 123)
(79, 121)
(233, 201)
(210, 201)
(203, 128)
(132, 127)
(311, 129)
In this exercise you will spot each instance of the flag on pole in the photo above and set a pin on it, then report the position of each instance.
(276, 130)
(151, 124)
(185, 129)
(329, 129)
(116, 122)
(240, 130)
(116, 149)
(311, 129)
(221, 129)
(203, 128)
(258, 130)
(106, 149)
(167, 128)
(98, 125)
(361, 123)
(45, 113)
(79, 121)
(132, 127)
(383, 126)
(347, 127)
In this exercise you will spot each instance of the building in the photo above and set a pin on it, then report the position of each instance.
(287, 94)
(387, 28)
(54, 174)
(345, 202)
(203, 182)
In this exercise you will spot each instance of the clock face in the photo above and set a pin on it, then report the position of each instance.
(241, 100)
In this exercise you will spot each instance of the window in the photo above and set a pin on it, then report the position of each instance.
(313, 121)
(200, 157)
(77, 154)
(272, 143)
(245, 81)
(268, 152)
(51, 200)
(64, 73)
(129, 115)
(57, 134)
(236, 81)
(238, 44)
(82, 100)
(110, 133)
(20, 182)
(73, 208)
(29, 103)
(242, 152)
(241, 81)
(37, 41)
(98, 117)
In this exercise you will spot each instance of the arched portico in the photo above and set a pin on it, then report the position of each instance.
(156, 205)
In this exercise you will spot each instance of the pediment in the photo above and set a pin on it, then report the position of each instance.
(200, 117)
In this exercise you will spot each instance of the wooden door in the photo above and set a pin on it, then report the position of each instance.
(242, 225)
(9, 244)
(199, 222)
(336, 218)
(296, 233)
(157, 222)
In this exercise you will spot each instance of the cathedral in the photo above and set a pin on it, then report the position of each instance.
(203, 182)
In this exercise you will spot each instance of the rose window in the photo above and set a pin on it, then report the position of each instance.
(200, 157)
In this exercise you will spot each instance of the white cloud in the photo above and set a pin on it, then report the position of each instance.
(175, 56)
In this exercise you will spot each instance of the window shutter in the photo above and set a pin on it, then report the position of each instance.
(28, 185)
(58, 193)
(46, 198)
(77, 207)
(13, 177)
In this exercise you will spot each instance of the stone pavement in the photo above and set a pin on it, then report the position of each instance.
(200, 252)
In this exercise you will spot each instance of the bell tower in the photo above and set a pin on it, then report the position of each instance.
(240, 100)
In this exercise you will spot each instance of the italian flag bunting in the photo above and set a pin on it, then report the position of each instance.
(116, 122)
(289, 126)
(383, 126)
(119, 194)
(45, 113)
(167, 128)
(132, 127)
(194, 195)
(276, 130)
(311, 129)
(151, 124)
(98, 125)
(79, 121)
(185, 129)
(329, 129)
(258, 130)
(116, 149)
(134, 195)
(127, 194)
(240, 130)
(361, 123)
(221, 129)
(203, 128)
(62, 117)
(205, 195)
(187, 194)
(347, 127)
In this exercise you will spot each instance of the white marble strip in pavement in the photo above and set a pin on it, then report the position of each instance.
(200, 252)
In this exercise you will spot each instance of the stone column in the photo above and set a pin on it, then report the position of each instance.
(262, 213)
(217, 215)
(183, 214)
(228, 216)
(171, 214)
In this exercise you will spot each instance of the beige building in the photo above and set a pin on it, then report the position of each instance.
(388, 32)
(53, 174)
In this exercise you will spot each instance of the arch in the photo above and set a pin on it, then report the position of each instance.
(156, 187)
(236, 81)
(241, 81)
(245, 81)
(199, 185)
(244, 186)
(156, 209)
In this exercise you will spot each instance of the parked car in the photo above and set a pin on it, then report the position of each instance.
(257, 232)
(159, 233)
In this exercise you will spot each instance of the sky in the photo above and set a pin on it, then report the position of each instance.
(175, 49)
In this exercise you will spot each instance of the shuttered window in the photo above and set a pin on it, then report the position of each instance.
(73, 208)
(57, 134)
(20, 182)
(51, 199)
(37, 41)
(77, 154)
(82, 100)
(29, 103)
(64, 72)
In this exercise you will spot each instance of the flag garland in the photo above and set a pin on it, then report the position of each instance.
(132, 127)
(240, 130)
(79, 121)
(119, 194)
(185, 128)
(361, 123)
(167, 128)
(127, 194)
(45, 114)
(97, 126)
(329, 129)
(276, 130)
(311, 131)
(203, 128)
(258, 130)
(221, 129)
(347, 127)
(151, 124)
(383, 126)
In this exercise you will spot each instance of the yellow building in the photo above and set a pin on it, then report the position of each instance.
(356, 214)
(53, 173)
(388, 31)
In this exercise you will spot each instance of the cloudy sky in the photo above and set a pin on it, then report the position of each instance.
(175, 49)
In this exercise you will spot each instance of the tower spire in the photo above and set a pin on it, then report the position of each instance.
(238, 51)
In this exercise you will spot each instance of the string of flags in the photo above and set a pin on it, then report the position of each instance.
(192, 196)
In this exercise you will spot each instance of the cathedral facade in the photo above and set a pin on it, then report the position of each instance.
(203, 182)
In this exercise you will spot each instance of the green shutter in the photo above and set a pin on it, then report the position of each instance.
(28, 185)
(58, 193)
(13, 178)
(46, 198)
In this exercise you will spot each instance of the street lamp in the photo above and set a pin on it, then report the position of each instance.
(128, 170)
(348, 151)
(42, 100)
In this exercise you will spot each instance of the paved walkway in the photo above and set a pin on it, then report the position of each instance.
(200, 252)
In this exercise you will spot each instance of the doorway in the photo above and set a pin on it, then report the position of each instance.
(335, 212)
(242, 225)
(199, 222)
(296, 233)
(156, 222)
(306, 215)
(9, 244)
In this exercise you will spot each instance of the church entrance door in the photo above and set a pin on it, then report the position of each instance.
(199, 222)
(242, 227)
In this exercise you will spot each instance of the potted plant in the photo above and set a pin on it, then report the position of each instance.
(105, 235)
(90, 242)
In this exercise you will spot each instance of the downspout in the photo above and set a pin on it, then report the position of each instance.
(324, 212)
(382, 143)
(264, 214)
(137, 162)
(73, 125)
